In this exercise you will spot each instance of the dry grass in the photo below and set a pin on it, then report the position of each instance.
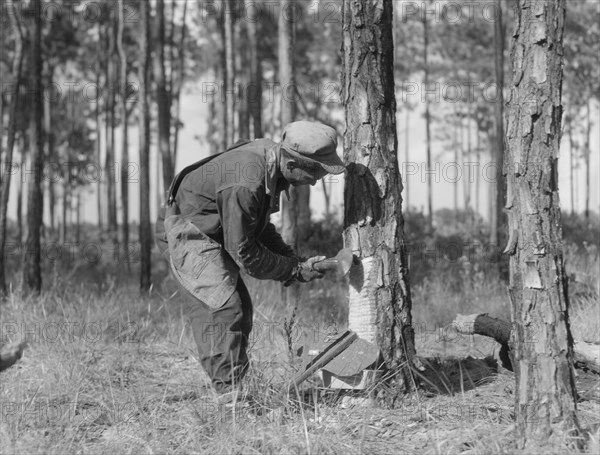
(107, 371)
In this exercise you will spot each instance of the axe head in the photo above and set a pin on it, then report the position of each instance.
(339, 264)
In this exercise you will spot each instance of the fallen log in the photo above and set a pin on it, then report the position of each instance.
(9, 354)
(587, 355)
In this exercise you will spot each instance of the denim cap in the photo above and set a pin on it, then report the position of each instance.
(313, 141)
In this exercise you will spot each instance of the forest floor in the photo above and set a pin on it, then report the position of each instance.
(107, 371)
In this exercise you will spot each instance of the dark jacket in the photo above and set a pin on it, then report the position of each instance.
(223, 222)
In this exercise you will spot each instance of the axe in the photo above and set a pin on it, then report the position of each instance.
(339, 264)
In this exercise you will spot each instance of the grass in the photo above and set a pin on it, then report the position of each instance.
(108, 371)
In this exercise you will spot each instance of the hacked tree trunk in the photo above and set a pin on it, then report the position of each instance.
(144, 130)
(16, 73)
(124, 138)
(380, 301)
(162, 98)
(543, 345)
(498, 191)
(32, 277)
(254, 89)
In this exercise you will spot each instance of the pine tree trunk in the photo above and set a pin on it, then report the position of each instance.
(498, 189)
(380, 301)
(124, 139)
(545, 394)
(289, 214)
(110, 167)
(162, 98)
(24, 147)
(229, 74)
(180, 82)
(16, 73)
(587, 160)
(242, 64)
(32, 276)
(572, 153)
(49, 136)
(144, 131)
(255, 86)
(99, 187)
(427, 119)
(407, 147)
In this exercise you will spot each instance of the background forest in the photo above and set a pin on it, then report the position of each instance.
(109, 100)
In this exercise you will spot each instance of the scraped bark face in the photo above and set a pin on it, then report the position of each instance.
(379, 292)
(543, 345)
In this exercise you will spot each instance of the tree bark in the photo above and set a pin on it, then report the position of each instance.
(124, 138)
(32, 276)
(545, 394)
(498, 189)
(254, 89)
(144, 131)
(16, 73)
(162, 98)
(380, 301)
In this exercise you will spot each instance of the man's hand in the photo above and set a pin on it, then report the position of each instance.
(306, 272)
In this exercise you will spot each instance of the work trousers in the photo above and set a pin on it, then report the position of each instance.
(222, 335)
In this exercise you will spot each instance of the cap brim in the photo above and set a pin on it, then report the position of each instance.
(331, 166)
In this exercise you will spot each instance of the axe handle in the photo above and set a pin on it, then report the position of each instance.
(326, 264)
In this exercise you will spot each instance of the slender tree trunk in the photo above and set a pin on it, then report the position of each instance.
(144, 129)
(254, 90)
(124, 139)
(32, 276)
(572, 164)
(110, 167)
(587, 160)
(16, 73)
(477, 179)
(498, 189)
(180, 82)
(289, 213)
(242, 70)
(456, 153)
(162, 98)
(545, 398)
(49, 135)
(229, 73)
(427, 120)
(380, 301)
(99, 188)
(407, 147)
(24, 147)
(225, 126)
(466, 170)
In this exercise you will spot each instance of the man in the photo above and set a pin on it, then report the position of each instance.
(217, 223)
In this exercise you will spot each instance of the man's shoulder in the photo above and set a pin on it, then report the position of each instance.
(244, 166)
